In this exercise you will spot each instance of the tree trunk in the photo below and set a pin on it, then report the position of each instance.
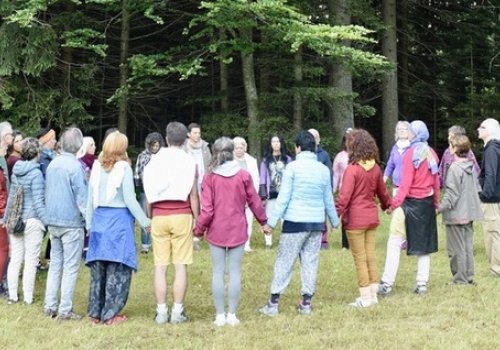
(340, 111)
(124, 42)
(224, 78)
(297, 96)
(390, 83)
(251, 96)
(403, 52)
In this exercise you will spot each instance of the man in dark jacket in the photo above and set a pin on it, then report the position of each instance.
(489, 179)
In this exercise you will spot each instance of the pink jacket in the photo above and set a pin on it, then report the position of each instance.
(417, 183)
(224, 196)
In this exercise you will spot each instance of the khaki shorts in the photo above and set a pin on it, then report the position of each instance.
(172, 239)
(397, 226)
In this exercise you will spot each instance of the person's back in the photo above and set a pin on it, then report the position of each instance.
(65, 192)
(304, 201)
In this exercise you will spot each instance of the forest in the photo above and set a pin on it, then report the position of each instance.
(250, 67)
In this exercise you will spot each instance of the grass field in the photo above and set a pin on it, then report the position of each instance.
(449, 317)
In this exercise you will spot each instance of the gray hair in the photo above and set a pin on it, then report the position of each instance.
(399, 124)
(240, 141)
(176, 134)
(456, 130)
(30, 148)
(493, 127)
(222, 151)
(5, 128)
(71, 140)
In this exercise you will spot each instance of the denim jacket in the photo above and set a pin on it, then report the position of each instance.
(65, 192)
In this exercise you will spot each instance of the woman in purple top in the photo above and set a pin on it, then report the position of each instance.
(395, 162)
(448, 158)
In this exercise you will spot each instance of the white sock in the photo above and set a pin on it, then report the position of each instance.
(161, 308)
(177, 308)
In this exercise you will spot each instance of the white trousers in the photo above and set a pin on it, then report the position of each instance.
(25, 249)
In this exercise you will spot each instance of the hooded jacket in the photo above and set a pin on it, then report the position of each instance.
(489, 178)
(460, 204)
(28, 174)
(356, 204)
(225, 193)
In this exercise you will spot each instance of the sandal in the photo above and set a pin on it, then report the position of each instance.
(116, 320)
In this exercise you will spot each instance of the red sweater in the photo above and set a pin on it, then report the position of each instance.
(417, 183)
(356, 201)
(223, 202)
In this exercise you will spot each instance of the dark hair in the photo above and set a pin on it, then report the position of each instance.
(176, 133)
(192, 126)
(268, 149)
(30, 148)
(362, 146)
(462, 145)
(305, 140)
(15, 133)
(153, 138)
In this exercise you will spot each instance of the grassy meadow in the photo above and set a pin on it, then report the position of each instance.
(449, 317)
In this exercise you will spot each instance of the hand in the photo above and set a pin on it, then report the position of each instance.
(266, 229)
(147, 229)
(389, 211)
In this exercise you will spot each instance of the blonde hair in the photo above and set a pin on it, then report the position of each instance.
(114, 149)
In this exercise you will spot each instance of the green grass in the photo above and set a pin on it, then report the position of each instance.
(448, 317)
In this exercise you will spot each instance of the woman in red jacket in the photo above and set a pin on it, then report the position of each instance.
(363, 180)
(226, 189)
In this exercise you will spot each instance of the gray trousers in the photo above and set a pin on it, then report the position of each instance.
(305, 246)
(234, 257)
(459, 243)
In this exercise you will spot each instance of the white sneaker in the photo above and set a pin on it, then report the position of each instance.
(360, 302)
(220, 320)
(232, 320)
(161, 317)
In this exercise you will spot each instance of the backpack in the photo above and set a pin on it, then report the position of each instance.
(14, 223)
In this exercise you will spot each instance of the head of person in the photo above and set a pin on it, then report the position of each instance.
(47, 138)
(109, 131)
(418, 131)
(455, 130)
(71, 140)
(30, 148)
(362, 146)
(15, 147)
(489, 130)
(460, 146)
(176, 134)
(114, 150)
(343, 146)
(88, 147)
(240, 147)
(194, 132)
(6, 137)
(154, 141)
(222, 152)
(402, 130)
(304, 142)
(315, 133)
(276, 145)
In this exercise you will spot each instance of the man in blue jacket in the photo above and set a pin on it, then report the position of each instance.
(65, 203)
(305, 196)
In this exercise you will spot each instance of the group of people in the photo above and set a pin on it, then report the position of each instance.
(215, 195)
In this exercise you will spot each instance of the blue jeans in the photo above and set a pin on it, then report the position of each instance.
(145, 237)
(67, 245)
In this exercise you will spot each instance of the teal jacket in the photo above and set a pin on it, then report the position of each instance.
(306, 193)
